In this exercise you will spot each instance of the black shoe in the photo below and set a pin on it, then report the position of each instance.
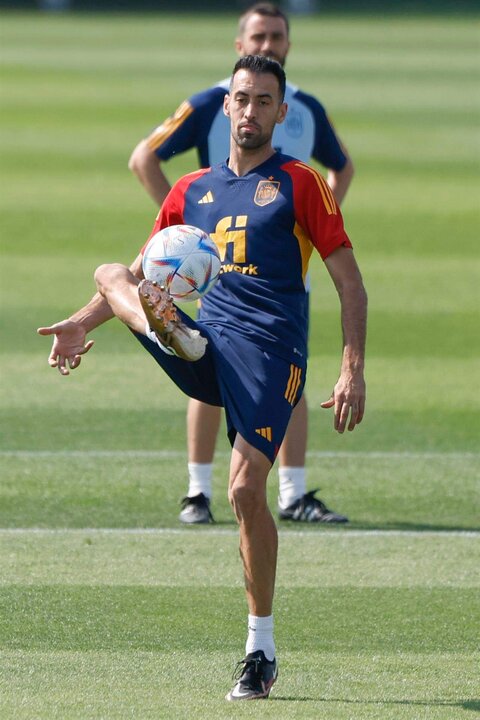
(255, 676)
(310, 509)
(196, 510)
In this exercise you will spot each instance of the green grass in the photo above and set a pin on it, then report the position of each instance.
(122, 624)
(115, 489)
(145, 620)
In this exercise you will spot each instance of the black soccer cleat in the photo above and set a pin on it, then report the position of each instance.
(310, 509)
(255, 676)
(196, 510)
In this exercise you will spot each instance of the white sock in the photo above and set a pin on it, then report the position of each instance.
(292, 485)
(200, 479)
(260, 636)
(151, 335)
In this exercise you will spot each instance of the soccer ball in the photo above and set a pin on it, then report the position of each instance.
(184, 260)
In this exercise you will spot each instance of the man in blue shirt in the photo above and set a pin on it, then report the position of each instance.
(247, 352)
(306, 133)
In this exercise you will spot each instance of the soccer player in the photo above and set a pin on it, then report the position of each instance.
(247, 351)
(306, 133)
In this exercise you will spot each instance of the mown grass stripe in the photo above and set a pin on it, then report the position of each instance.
(371, 455)
(233, 531)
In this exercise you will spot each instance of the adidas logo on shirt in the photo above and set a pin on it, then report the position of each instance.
(208, 198)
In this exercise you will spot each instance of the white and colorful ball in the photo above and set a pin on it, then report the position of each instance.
(184, 259)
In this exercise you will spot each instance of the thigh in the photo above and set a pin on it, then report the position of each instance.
(259, 391)
(196, 379)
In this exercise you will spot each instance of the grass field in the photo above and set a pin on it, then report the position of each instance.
(108, 608)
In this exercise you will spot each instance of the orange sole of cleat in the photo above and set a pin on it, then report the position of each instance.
(163, 318)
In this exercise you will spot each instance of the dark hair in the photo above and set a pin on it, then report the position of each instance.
(266, 9)
(261, 65)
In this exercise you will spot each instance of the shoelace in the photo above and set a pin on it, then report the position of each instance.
(242, 666)
(309, 499)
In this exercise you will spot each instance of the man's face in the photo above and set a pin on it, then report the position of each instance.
(264, 36)
(254, 107)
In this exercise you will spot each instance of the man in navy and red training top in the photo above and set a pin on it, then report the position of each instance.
(266, 212)
(307, 133)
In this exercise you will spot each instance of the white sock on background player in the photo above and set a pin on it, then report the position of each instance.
(292, 482)
(200, 479)
(292, 485)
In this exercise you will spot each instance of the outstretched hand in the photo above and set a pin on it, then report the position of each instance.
(348, 399)
(68, 345)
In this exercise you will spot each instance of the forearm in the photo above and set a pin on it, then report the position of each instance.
(93, 314)
(155, 183)
(353, 299)
(146, 166)
(348, 395)
(98, 310)
(340, 180)
(347, 278)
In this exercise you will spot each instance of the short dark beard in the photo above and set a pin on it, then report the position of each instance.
(251, 143)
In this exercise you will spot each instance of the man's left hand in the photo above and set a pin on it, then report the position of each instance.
(348, 399)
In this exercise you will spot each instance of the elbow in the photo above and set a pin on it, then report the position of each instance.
(349, 169)
(358, 289)
(362, 299)
(140, 158)
(133, 163)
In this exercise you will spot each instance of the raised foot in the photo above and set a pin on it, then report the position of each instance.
(163, 318)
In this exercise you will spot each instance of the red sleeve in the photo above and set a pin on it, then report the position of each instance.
(316, 210)
(171, 212)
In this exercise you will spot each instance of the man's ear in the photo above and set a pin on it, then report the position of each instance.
(226, 105)
(239, 47)
(282, 111)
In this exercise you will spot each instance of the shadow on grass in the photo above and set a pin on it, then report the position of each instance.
(417, 527)
(331, 527)
(376, 526)
(464, 704)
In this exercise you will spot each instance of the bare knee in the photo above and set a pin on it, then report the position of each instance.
(106, 274)
(246, 498)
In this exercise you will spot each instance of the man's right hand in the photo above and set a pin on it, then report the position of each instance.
(68, 345)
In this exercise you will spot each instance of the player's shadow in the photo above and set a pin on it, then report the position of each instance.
(352, 525)
(409, 526)
(473, 705)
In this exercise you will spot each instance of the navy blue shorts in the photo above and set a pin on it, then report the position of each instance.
(257, 389)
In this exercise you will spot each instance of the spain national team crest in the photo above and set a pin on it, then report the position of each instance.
(266, 192)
